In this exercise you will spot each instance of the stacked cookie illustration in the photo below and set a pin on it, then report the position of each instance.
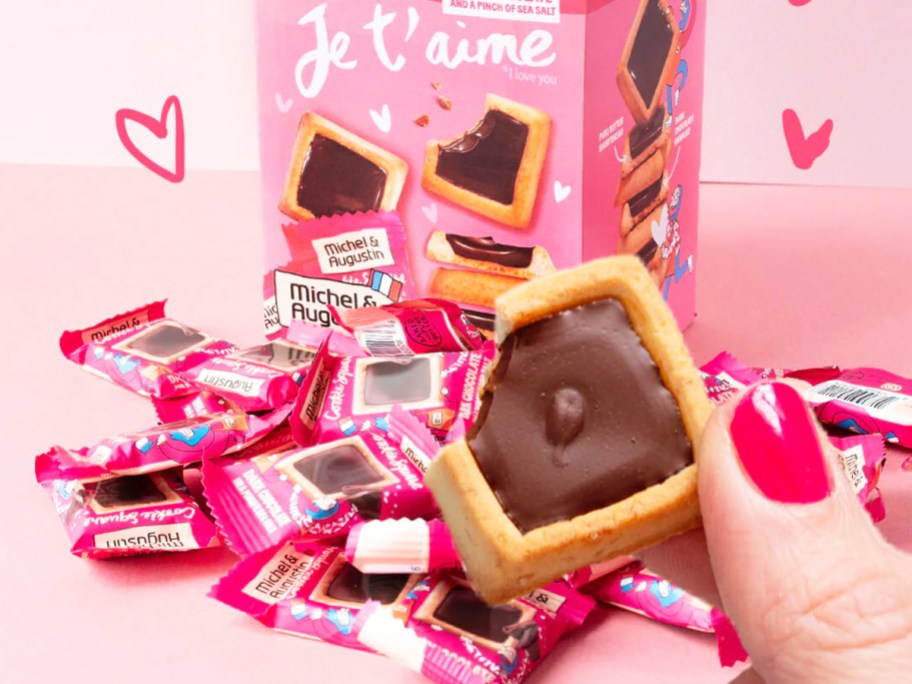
(494, 170)
(649, 62)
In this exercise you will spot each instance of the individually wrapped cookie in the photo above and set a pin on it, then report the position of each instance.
(636, 589)
(142, 350)
(308, 589)
(342, 393)
(418, 326)
(862, 459)
(265, 498)
(401, 545)
(591, 573)
(725, 376)
(452, 636)
(347, 261)
(258, 378)
(130, 515)
(865, 401)
(159, 448)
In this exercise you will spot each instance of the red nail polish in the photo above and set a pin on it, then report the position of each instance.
(778, 446)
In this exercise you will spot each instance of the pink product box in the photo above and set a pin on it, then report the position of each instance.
(513, 138)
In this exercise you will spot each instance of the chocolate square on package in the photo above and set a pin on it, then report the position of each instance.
(130, 491)
(344, 469)
(650, 58)
(164, 342)
(455, 607)
(345, 585)
(494, 168)
(412, 383)
(282, 356)
(583, 448)
(334, 171)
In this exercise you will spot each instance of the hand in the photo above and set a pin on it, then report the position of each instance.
(788, 553)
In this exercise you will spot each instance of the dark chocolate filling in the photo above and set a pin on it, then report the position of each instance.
(167, 339)
(575, 418)
(464, 610)
(130, 489)
(486, 159)
(644, 135)
(338, 470)
(285, 357)
(480, 319)
(648, 251)
(650, 50)
(390, 382)
(337, 180)
(354, 586)
(641, 201)
(486, 249)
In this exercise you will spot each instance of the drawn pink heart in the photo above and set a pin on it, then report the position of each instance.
(805, 150)
(799, 3)
(159, 128)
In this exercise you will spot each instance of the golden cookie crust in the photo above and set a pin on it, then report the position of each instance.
(519, 213)
(438, 249)
(629, 221)
(470, 287)
(312, 124)
(642, 177)
(501, 561)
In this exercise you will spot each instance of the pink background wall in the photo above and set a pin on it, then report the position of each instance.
(69, 66)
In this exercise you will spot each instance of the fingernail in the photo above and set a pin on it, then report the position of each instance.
(778, 445)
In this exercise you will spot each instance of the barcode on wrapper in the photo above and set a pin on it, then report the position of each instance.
(877, 402)
(385, 338)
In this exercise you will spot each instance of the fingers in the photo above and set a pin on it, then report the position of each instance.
(815, 592)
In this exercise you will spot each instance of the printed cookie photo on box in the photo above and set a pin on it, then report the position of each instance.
(511, 140)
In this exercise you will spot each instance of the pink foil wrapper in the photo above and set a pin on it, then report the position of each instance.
(418, 326)
(142, 351)
(266, 498)
(259, 378)
(130, 515)
(341, 395)
(401, 545)
(307, 589)
(862, 459)
(347, 261)
(638, 590)
(452, 637)
(725, 376)
(585, 576)
(160, 448)
(866, 401)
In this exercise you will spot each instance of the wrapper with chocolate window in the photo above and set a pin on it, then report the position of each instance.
(269, 497)
(308, 589)
(453, 637)
(130, 515)
(143, 351)
(258, 378)
(180, 443)
(341, 394)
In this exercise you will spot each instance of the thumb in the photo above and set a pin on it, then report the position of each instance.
(814, 590)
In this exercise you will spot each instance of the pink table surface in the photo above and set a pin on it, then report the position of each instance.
(787, 276)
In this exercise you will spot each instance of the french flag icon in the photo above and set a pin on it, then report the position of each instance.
(385, 284)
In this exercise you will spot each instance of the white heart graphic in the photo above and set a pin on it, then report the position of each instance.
(431, 212)
(660, 227)
(561, 191)
(382, 119)
(283, 104)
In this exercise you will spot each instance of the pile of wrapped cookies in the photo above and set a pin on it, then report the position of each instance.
(401, 484)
